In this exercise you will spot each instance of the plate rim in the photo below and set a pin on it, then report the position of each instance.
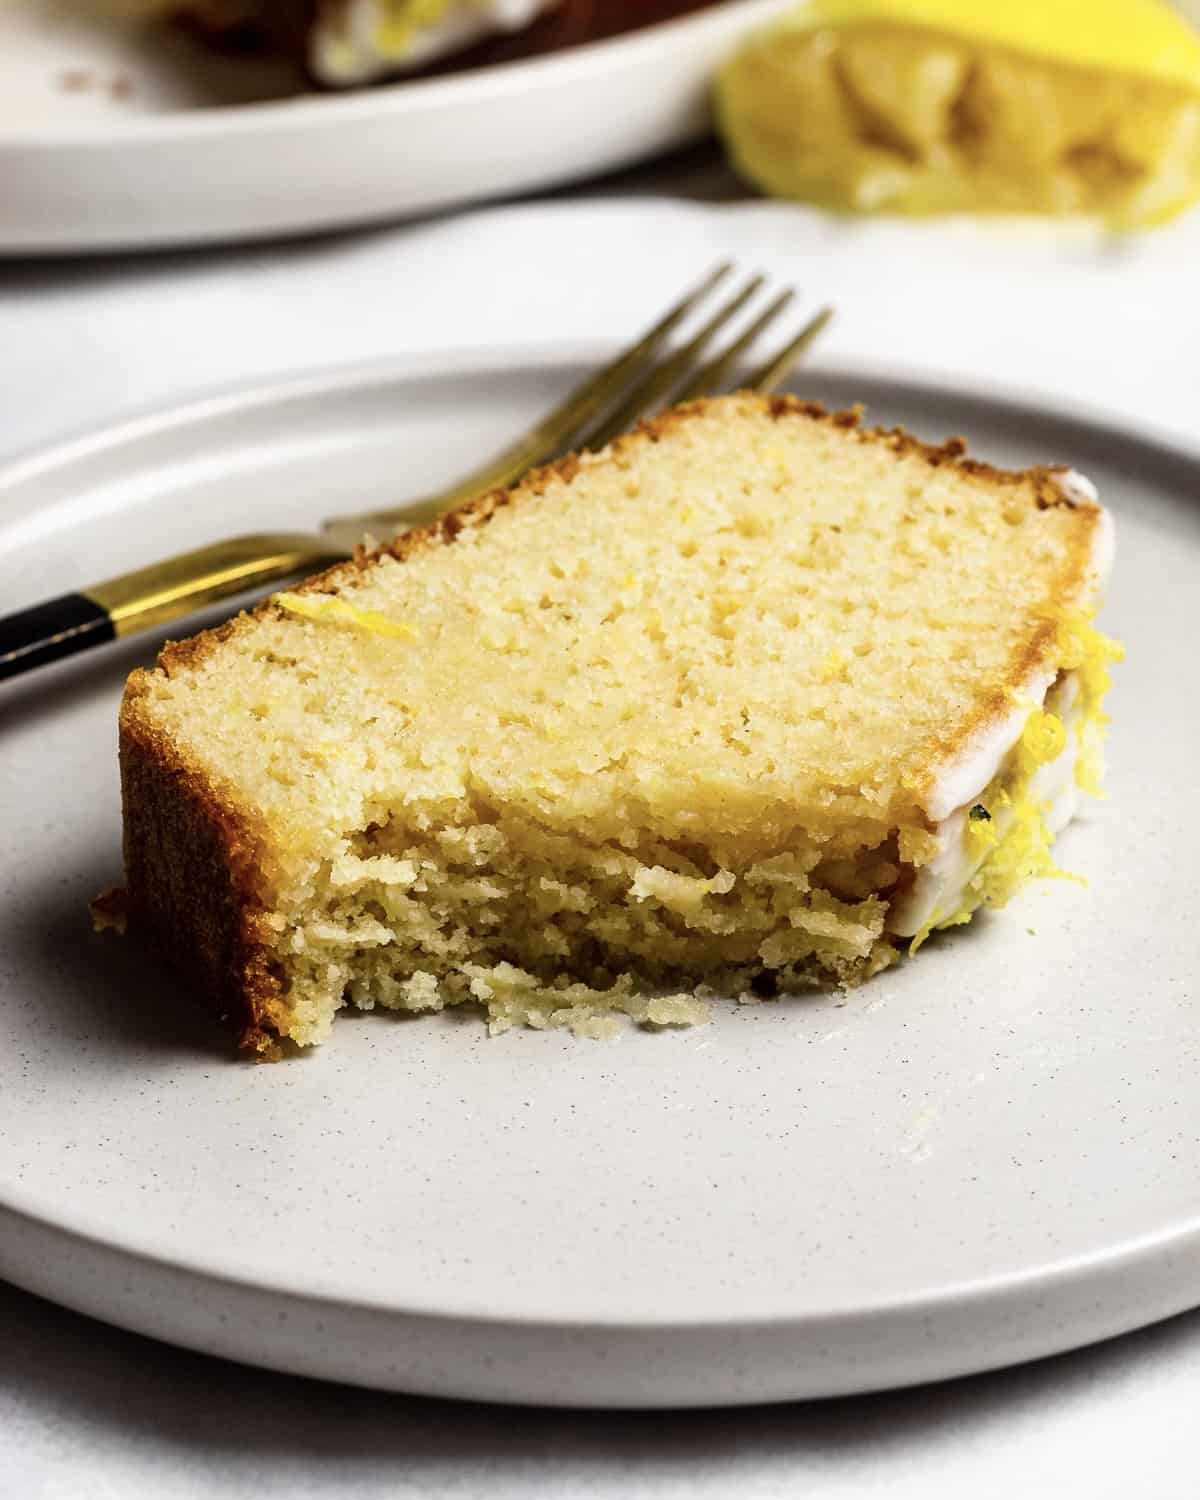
(391, 100)
(960, 385)
(1091, 1270)
(977, 1295)
(1160, 1262)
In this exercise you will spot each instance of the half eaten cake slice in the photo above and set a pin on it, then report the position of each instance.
(732, 707)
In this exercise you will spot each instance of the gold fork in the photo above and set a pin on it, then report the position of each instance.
(603, 406)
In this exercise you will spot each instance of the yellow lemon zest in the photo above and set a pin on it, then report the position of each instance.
(1043, 737)
(322, 608)
(1022, 853)
(1089, 653)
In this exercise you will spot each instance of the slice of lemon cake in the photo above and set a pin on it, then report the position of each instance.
(734, 706)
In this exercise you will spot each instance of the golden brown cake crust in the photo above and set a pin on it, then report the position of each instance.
(197, 864)
(193, 868)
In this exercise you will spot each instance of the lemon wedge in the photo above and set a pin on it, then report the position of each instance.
(940, 106)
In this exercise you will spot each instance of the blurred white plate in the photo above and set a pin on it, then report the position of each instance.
(982, 1156)
(118, 136)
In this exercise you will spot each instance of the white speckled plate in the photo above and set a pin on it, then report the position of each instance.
(119, 133)
(985, 1155)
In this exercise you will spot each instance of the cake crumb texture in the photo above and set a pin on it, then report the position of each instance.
(658, 723)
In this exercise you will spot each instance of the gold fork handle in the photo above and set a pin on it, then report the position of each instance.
(152, 596)
(178, 585)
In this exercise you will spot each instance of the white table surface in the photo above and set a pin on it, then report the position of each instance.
(88, 1411)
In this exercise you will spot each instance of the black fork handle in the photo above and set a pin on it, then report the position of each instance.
(46, 632)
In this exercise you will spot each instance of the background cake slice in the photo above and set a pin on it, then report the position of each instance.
(738, 703)
(349, 43)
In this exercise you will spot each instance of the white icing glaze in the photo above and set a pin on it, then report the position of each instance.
(1077, 487)
(940, 884)
(349, 53)
(964, 778)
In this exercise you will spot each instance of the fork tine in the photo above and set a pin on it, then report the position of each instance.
(646, 395)
(710, 375)
(770, 375)
(589, 397)
(543, 440)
